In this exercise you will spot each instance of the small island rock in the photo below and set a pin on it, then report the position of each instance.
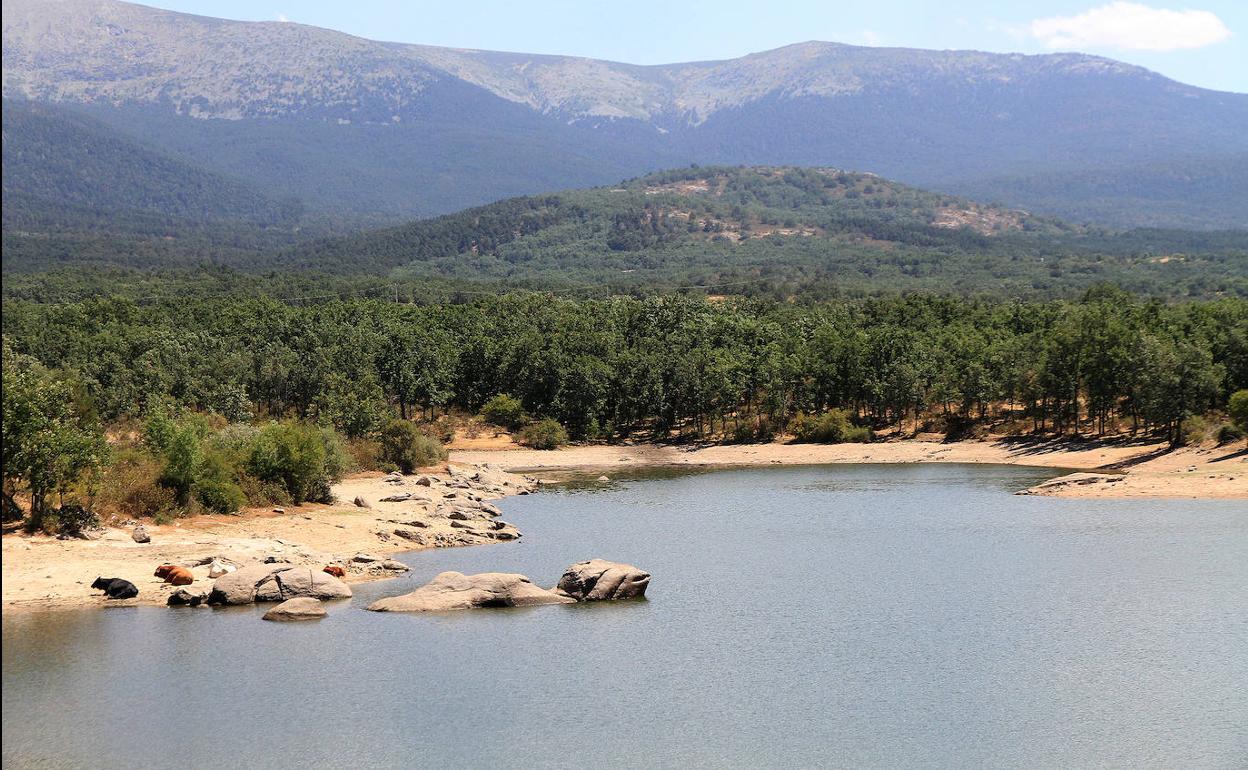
(600, 580)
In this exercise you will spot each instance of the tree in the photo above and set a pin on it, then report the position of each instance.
(48, 445)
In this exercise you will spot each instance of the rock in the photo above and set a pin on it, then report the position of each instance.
(458, 515)
(410, 523)
(604, 478)
(393, 565)
(456, 591)
(217, 568)
(275, 583)
(410, 534)
(1053, 486)
(425, 481)
(361, 502)
(279, 510)
(299, 608)
(188, 597)
(141, 535)
(600, 580)
(399, 498)
(366, 558)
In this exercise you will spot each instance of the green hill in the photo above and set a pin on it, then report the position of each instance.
(782, 226)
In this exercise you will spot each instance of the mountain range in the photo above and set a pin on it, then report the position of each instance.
(318, 126)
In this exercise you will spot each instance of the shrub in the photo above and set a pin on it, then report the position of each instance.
(1237, 408)
(1193, 431)
(544, 434)
(831, 427)
(72, 519)
(403, 444)
(294, 456)
(505, 411)
(214, 485)
(753, 432)
(131, 486)
(181, 462)
(365, 453)
(1229, 432)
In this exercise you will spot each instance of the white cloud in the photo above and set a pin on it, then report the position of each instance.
(870, 37)
(282, 17)
(1132, 27)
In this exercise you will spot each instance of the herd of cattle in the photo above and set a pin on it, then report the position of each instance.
(119, 588)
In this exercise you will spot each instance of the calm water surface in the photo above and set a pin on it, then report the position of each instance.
(838, 616)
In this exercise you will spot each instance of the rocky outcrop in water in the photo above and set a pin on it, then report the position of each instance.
(456, 591)
(599, 580)
(275, 583)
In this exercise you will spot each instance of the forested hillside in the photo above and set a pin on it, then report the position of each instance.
(784, 227)
(59, 163)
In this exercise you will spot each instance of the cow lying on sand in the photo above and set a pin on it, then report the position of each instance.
(178, 576)
(335, 570)
(115, 588)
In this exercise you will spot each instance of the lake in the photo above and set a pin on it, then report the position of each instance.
(830, 616)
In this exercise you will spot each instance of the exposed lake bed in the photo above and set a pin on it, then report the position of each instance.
(860, 615)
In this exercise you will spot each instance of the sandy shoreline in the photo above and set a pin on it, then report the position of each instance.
(45, 573)
(41, 572)
(1132, 469)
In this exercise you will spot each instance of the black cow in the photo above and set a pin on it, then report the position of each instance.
(116, 588)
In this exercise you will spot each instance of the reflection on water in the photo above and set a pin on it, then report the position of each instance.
(856, 616)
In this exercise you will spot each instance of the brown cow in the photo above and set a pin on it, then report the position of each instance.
(178, 576)
(335, 570)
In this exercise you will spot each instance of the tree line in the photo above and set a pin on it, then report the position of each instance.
(617, 367)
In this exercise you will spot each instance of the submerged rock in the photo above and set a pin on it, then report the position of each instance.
(299, 608)
(456, 591)
(188, 597)
(600, 580)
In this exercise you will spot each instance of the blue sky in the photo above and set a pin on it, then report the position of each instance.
(1202, 42)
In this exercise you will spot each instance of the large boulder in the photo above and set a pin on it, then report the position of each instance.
(275, 583)
(456, 591)
(600, 580)
(299, 608)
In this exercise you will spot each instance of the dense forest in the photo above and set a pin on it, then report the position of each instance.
(609, 368)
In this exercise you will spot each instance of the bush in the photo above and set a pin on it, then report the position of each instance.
(403, 444)
(753, 432)
(214, 485)
(1229, 432)
(1193, 431)
(72, 519)
(299, 458)
(1237, 408)
(544, 434)
(831, 427)
(132, 486)
(505, 411)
